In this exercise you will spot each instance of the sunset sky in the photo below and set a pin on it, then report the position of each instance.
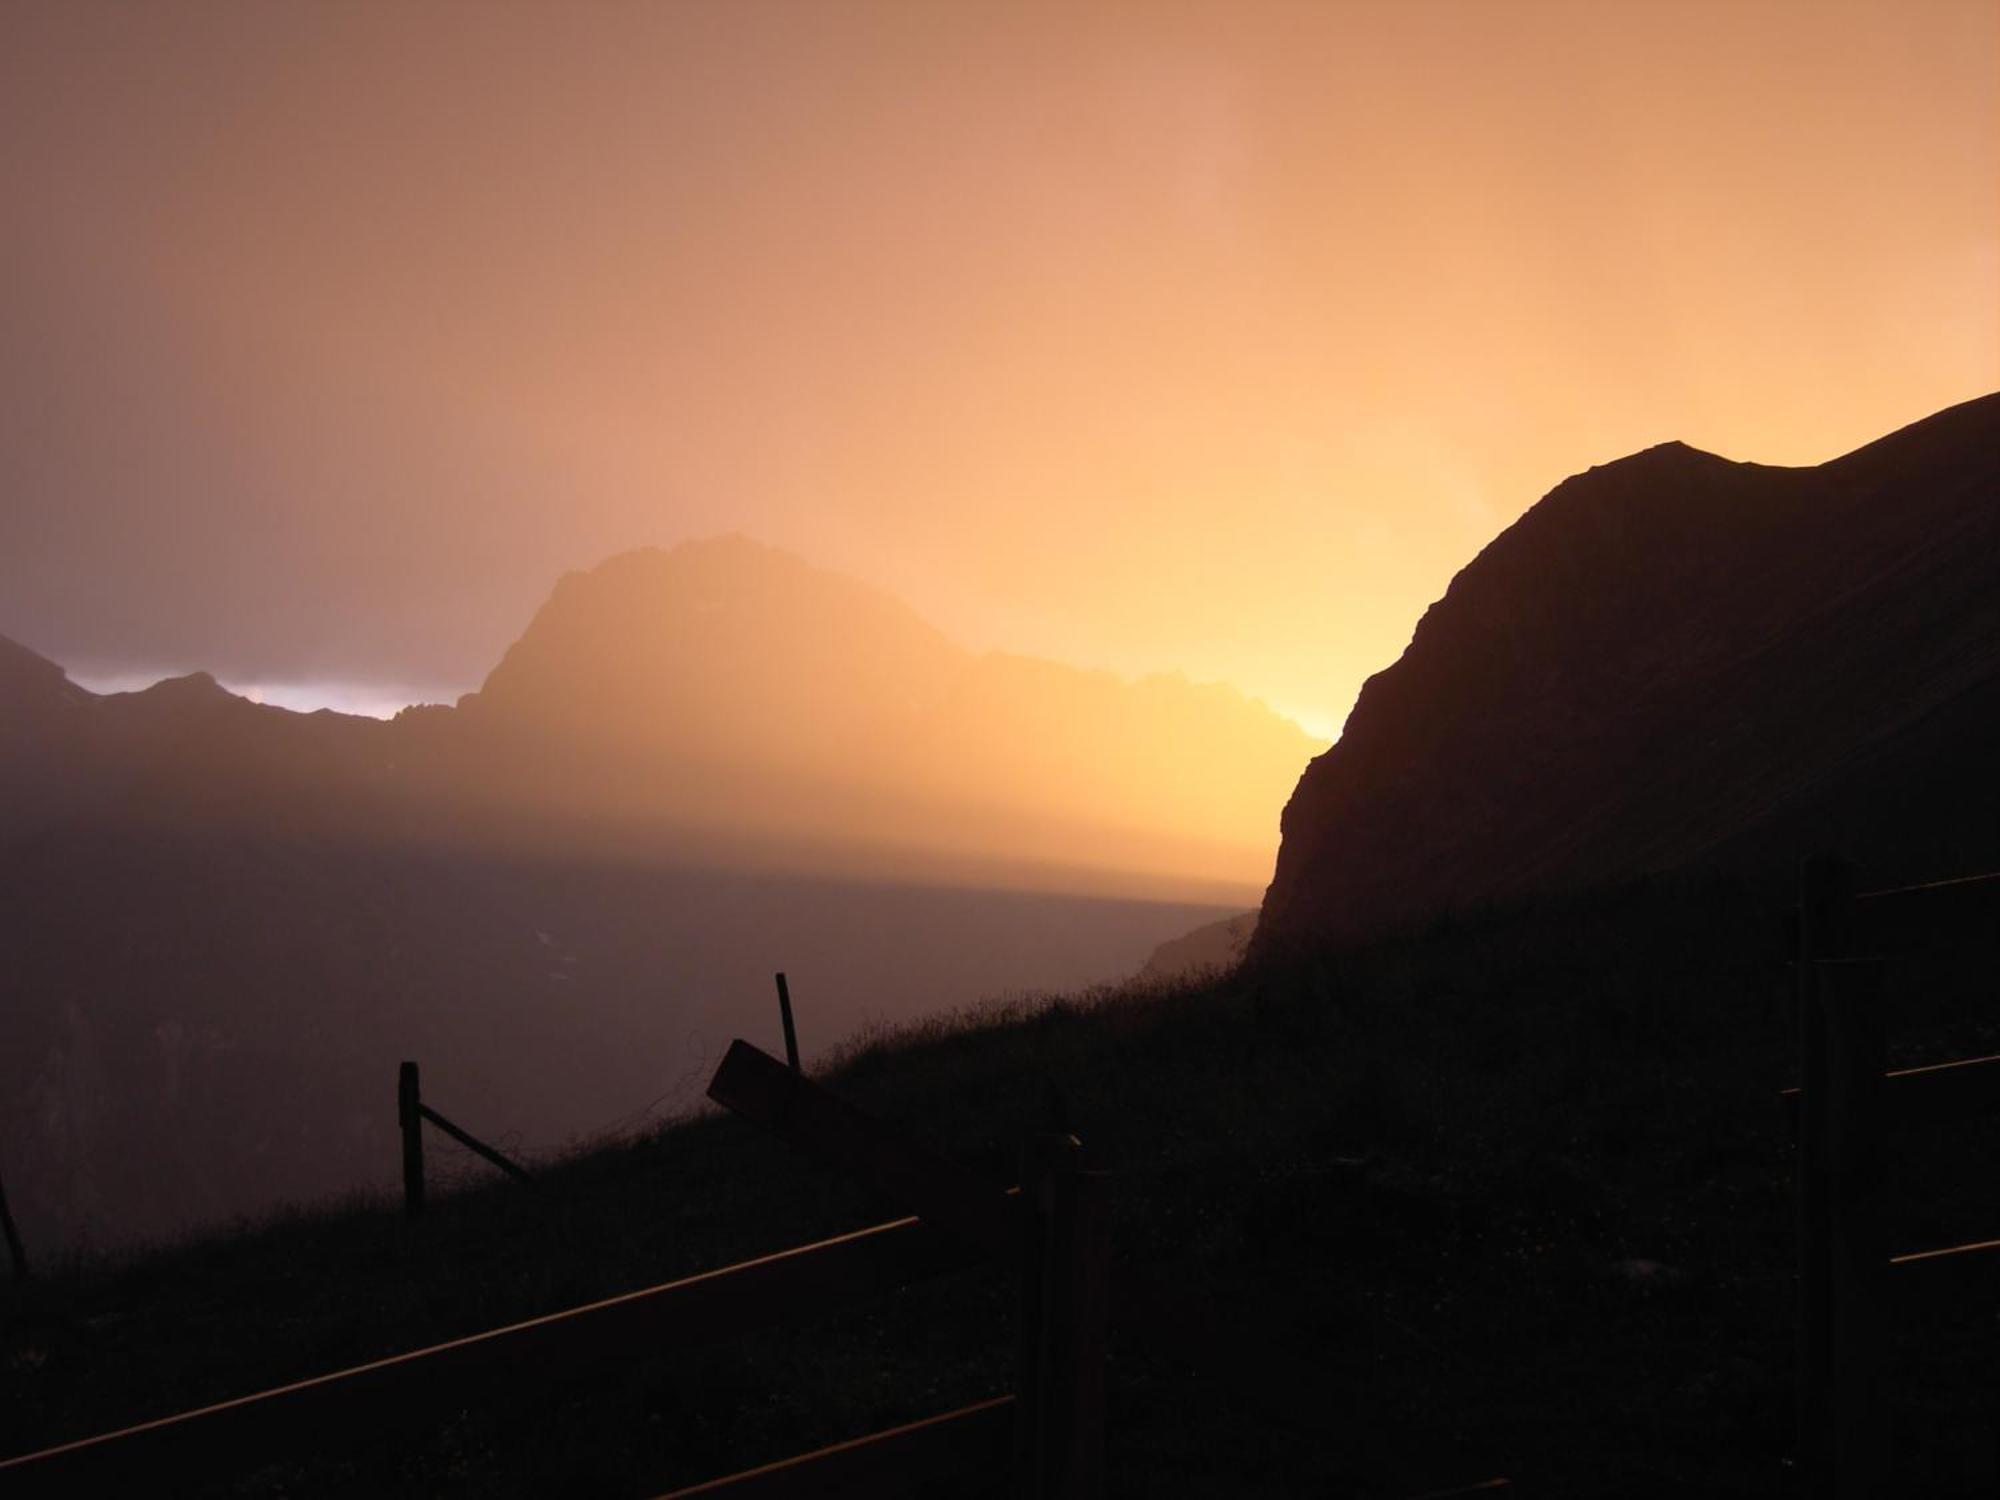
(1150, 336)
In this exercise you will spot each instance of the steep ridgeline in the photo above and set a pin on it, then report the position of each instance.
(1675, 660)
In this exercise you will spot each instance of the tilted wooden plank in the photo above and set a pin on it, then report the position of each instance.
(1857, 1250)
(1078, 1295)
(766, 1092)
(969, 1440)
(1958, 1090)
(407, 1389)
(1825, 898)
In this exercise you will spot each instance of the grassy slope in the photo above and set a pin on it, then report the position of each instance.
(1371, 1220)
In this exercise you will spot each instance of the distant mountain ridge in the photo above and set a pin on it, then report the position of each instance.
(1674, 660)
(725, 691)
(223, 923)
(735, 685)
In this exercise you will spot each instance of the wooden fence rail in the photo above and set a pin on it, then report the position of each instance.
(1911, 918)
(1934, 1093)
(405, 1390)
(1054, 1234)
(1845, 1099)
(895, 1461)
(1056, 1227)
(1048, 1434)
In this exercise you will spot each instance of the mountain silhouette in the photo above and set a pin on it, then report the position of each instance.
(722, 701)
(1670, 661)
(226, 922)
(730, 687)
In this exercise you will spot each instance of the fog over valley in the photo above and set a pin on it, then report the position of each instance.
(565, 894)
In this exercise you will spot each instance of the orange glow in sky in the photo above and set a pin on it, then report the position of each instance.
(1151, 336)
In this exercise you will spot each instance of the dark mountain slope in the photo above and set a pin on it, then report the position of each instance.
(32, 687)
(37, 702)
(1673, 659)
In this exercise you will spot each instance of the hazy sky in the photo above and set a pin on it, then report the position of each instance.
(1212, 337)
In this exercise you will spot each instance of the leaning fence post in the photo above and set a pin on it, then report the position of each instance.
(14, 1248)
(785, 1014)
(409, 1115)
(1826, 893)
(1857, 1247)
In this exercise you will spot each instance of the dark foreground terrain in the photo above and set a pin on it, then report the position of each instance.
(1504, 1197)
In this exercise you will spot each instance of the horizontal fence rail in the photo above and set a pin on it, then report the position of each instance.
(1954, 1266)
(1054, 1235)
(1937, 1092)
(1944, 913)
(1845, 1100)
(408, 1388)
(1054, 1238)
(973, 1438)
(1054, 1231)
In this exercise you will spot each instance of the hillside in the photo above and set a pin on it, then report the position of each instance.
(1508, 1198)
(224, 923)
(1675, 660)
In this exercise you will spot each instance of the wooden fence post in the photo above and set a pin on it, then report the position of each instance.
(14, 1248)
(1059, 1437)
(1037, 1155)
(1080, 1245)
(1826, 895)
(1857, 1247)
(785, 1014)
(409, 1115)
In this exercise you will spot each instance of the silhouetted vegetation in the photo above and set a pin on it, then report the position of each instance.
(1506, 1196)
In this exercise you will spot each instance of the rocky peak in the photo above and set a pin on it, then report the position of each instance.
(724, 643)
(1665, 655)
